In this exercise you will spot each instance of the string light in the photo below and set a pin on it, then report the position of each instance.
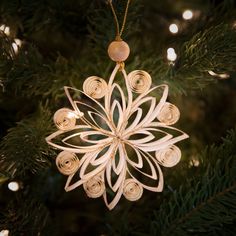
(194, 162)
(2, 27)
(13, 186)
(16, 45)
(173, 28)
(4, 232)
(5, 29)
(220, 76)
(187, 15)
(171, 55)
(18, 42)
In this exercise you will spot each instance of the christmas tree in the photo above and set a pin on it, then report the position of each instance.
(188, 45)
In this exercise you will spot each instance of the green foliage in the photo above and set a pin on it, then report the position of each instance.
(24, 149)
(24, 216)
(6, 54)
(213, 49)
(205, 203)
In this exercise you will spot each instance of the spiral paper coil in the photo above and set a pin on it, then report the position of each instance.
(64, 119)
(67, 162)
(94, 187)
(132, 190)
(169, 156)
(95, 87)
(139, 81)
(169, 114)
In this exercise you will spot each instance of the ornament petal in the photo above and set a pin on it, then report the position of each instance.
(116, 115)
(70, 90)
(71, 141)
(98, 164)
(118, 161)
(135, 121)
(137, 159)
(69, 186)
(146, 137)
(163, 143)
(118, 193)
(115, 167)
(151, 103)
(153, 177)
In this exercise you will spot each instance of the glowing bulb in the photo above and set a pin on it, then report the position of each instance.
(187, 15)
(173, 28)
(194, 162)
(15, 47)
(220, 76)
(2, 27)
(171, 55)
(18, 42)
(13, 186)
(7, 30)
(4, 232)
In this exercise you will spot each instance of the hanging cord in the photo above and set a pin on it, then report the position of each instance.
(118, 31)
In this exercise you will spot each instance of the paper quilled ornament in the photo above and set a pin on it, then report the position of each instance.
(115, 139)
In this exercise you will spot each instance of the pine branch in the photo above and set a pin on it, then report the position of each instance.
(192, 209)
(211, 49)
(24, 148)
(6, 53)
(24, 216)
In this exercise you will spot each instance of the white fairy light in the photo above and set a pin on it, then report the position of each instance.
(4, 232)
(14, 186)
(15, 47)
(2, 27)
(7, 30)
(171, 55)
(187, 15)
(194, 162)
(220, 76)
(234, 24)
(18, 42)
(173, 28)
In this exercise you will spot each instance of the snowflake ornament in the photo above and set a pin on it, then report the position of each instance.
(114, 140)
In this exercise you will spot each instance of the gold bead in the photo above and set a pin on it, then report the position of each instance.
(118, 51)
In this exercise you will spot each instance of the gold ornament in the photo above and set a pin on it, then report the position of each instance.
(118, 51)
